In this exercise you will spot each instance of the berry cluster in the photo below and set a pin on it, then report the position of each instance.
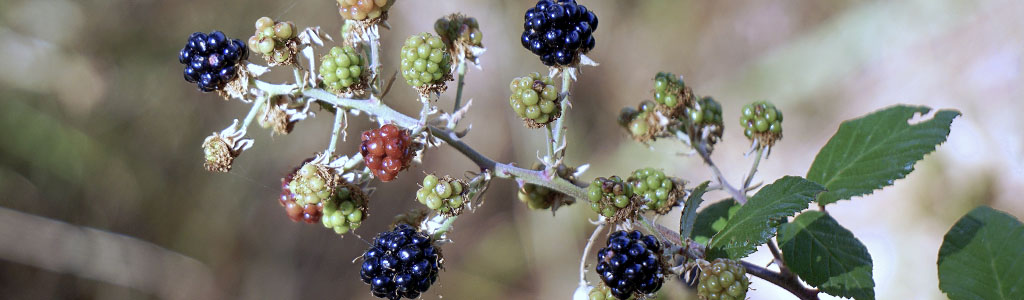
(386, 151)
(362, 10)
(304, 191)
(458, 30)
(705, 117)
(540, 197)
(274, 40)
(659, 192)
(630, 263)
(341, 69)
(426, 62)
(534, 99)
(559, 32)
(641, 123)
(401, 263)
(442, 194)
(211, 60)
(346, 210)
(669, 90)
(761, 121)
(722, 279)
(608, 196)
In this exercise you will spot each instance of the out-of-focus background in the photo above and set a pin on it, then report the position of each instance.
(104, 195)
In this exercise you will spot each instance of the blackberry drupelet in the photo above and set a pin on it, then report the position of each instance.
(630, 263)
(363, 10)
(559, 32)
(400, 263)
(609, 196)
(211, 60)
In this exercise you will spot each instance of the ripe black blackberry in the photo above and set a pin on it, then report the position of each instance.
(559, 32)
(630, 263)
(400, 263)
(211, 60)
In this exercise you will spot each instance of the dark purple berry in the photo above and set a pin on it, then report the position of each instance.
(184, 55)
(543, 4)
(547, 59)
(629, 265)
(211, 60)
(526, 39)
(592, 19)
(216, 40)
(564, 30)
(589, 45)
(227, 73)
(538, 47)
(191, 75)
(530, 13)
(563, 57)
(402, 263)
(555, 13)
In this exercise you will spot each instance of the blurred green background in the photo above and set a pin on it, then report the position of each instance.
(104, 195)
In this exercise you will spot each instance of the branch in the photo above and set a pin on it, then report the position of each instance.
(739, 196)
(785, 279)
(384, 113)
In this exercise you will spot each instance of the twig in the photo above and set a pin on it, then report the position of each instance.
(740, 197)
(753, 169)
(586, 251)
(461, 70)
(339, 120)
(790, 283)
(253, 111)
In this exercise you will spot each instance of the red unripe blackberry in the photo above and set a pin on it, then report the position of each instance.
(386, 151)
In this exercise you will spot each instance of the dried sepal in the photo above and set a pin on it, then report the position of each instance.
(221, 149)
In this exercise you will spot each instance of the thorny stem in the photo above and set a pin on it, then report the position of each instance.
(550, 141)
(445, 227)
(740, 197)
(461, 70)
(586, 250)
(753, 169)
(339, 120)
(558, 130)
(375, 65)
(778, 257)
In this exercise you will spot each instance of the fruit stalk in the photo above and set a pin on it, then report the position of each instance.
(558, 131)
(339, 123)
(253, 111)
(788, 282)
(586, 250)
(753, 169)
(461, 70)
(740, 197)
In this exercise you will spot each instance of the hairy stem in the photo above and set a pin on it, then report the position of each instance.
(558, 130)
(339, 122)
(753, 169)
(253, 111)
(461, 70)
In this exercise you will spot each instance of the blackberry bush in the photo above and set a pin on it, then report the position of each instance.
(761, 121)
(342, 70)
(401, 263)
(334, 187)
(722, 279)
(426, 63)
(630, 264)
(276, 41)
(534, 99)
(212, 60)
(559, 32)
(386, 151)
(443, 194)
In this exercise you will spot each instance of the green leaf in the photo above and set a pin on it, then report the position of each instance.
(690, 210)
(712, 219)
(870, 152)
(827, 256)
(755, 222)
(982, 257)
